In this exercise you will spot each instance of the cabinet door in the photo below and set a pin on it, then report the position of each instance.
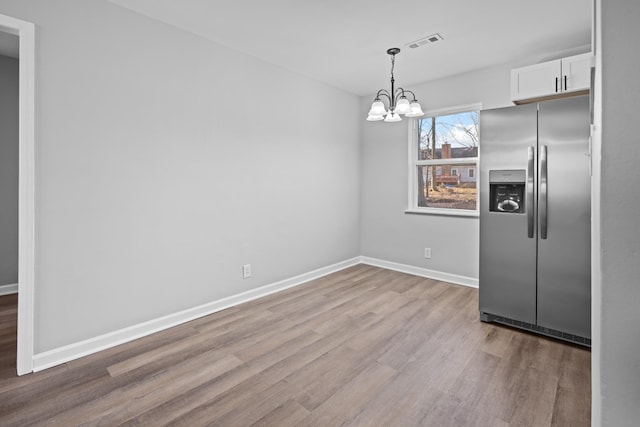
(536, 81)
(576, 73)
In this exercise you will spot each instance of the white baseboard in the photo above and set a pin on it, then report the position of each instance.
(422, 272)
(77, 350)
(9, 289)
(74, 351)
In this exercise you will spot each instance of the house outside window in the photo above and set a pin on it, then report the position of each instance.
(443, 157)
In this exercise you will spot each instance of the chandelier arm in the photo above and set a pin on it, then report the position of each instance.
(384, 92)
(398, 93)
(412, 94)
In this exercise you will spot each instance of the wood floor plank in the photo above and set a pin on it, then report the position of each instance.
(538, 396)
(323, 285)
(125, 402)
(447, 411)
(351, 397)
(497, 340)
(205, 340)
(132, 349)
(238, 409)
(469, 385)
(273, 366)
(571, 408)
(290, 413)
(60, 394)
(404, 401)
(319, 380)
(382, 331)
(407, 342)
(204, 394)
(362, 347)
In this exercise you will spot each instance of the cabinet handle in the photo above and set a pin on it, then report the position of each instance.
(556, 84)
(565, 82)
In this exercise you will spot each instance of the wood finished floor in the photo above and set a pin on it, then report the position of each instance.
(361, 347)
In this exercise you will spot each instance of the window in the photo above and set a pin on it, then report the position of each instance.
(443, 161)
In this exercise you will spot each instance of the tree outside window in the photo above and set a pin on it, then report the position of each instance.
(446, 157)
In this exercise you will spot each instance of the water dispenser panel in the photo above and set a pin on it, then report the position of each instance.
(507, 190)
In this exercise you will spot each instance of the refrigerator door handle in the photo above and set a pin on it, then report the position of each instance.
(530, 191)
(543, 192)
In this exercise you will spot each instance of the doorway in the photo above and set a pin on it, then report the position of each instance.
(26, 188)
(8, 163)
(9, 49)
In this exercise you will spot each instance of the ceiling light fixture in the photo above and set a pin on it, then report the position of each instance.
(398, 102)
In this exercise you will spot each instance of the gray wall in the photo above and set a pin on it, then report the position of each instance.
(8, 170)
(387, 232)
(620, 228)
(164, 162)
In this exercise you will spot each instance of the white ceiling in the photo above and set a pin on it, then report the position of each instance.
(344, 42)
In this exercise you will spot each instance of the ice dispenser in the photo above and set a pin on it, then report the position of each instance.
(506, 190)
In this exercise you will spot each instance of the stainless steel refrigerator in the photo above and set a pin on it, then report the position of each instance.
(535, 214)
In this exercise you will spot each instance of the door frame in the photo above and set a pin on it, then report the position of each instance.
(26, 189)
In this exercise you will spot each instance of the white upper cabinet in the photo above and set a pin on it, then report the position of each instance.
(576, 72)
(552, 79)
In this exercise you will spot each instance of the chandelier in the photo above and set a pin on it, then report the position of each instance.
(398, 102)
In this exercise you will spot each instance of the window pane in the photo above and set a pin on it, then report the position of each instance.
(448, 137)
(439, 187)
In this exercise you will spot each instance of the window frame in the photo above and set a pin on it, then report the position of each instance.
(414, 163)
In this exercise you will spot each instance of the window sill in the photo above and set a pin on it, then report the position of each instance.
(445, 212)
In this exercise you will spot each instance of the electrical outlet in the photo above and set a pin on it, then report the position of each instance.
(427, 253)
(246, 271)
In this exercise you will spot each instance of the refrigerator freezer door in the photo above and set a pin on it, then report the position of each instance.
(564, 276)
(507, 283)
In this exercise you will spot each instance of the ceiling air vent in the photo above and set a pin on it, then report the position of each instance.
(433, 38)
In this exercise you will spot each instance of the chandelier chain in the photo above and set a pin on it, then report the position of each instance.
(393, 64)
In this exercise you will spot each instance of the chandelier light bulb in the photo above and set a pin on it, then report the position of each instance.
(377, 108)
(403, 107)
(374, 118)
(392, 117)
(416, 110)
